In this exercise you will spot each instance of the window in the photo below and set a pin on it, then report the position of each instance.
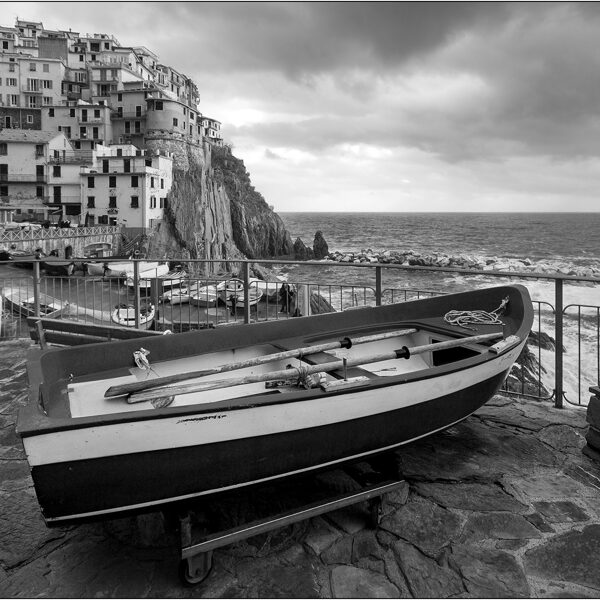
(95, 133)
(138, 127)
(96, 113)
(67, 131)
(3, 148)
(83, 133)
(39, 150)
(32, 66)
(4, 45)
(134, 181)
(119, 151)
(105, 165)
(119, 97)
(127, 165)
(106, 45)
(12, 67)
(152, 201)
(56, 171)
(93, 57)
(11, 81)
(81, 58)
(135, 202)
(175, 122)
(91, 202)
(47, 101)
(46, 68)
(148, 162)
(33, 102)
(72, 112)
(158, 105)
(29, 119)
(127, 127)
(112, 202)
(4, 192)
(138, 111)
(151, 182)
(47, 84)
(50, 112)
(91, 182)
(103, 220)
(112, 181)
(13, 100)
(161, 202)
(39, 191)
(162, 183)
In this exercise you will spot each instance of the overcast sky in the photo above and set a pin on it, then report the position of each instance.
(368, 106)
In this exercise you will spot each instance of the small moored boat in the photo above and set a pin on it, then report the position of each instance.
(22, 302)
(56, 266)
(140, 425)
(124, 315)
(237, 300)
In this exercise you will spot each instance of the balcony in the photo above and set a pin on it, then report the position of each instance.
(127, 115)
(82, 119)
(22, 178)
(85, 157)
(55, 201)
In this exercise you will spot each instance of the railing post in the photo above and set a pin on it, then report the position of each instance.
(558, 340)
(136, 292)
(36, 288)
(378, 292)
(246, 278)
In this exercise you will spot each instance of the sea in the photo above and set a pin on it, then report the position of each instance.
(560, 242)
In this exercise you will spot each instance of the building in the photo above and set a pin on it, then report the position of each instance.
(87, 97)
(125, 186)
(33, 182)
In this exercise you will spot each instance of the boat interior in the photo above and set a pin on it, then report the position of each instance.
(86, 393)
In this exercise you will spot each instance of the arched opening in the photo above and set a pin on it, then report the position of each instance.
(68, 252)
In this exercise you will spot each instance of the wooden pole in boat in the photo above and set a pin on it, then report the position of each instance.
(138, 386)
(298, 372)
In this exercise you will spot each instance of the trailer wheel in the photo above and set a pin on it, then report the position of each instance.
(195, 569)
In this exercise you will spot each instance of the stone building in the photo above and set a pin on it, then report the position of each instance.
(125, 186)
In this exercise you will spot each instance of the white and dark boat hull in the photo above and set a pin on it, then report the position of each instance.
(90, 465)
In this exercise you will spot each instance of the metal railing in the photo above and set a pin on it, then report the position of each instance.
(97, 296)
(57, 232)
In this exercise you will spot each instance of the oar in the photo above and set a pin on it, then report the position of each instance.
(138, 386)
(296, 372)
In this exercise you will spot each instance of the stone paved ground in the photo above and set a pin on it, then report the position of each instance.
(502, 505)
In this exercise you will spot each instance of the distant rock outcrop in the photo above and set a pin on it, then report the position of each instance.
(320, 247)
(302, 251)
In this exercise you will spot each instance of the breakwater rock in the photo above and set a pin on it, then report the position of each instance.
(462, 261)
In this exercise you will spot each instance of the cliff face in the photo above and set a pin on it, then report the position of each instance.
(258, 231)
(213, 211)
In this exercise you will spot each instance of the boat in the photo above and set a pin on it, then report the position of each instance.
(181, 295)
(124, 315)
(22, 302)
(211, 295)
(269, 289)
(145, 423)
(57, 266)
(237, 300)
(147, 275)
(24, 258)
(117, 268)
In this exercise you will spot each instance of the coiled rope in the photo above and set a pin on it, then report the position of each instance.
(476, 317)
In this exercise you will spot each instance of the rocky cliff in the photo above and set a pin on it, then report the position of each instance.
(213, 211)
